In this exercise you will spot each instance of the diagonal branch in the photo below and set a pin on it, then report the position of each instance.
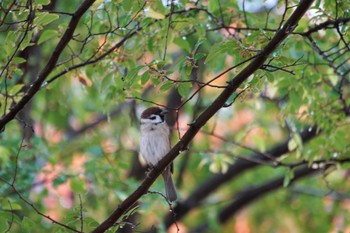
(35, 87)
(327, 24)
(240, 166)
(250, 195)
(247, 196)
(208, 113)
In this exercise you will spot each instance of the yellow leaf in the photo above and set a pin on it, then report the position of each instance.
(292, 145)
(84, 80)
(154, 14)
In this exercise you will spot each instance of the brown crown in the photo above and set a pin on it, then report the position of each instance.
(153, 110)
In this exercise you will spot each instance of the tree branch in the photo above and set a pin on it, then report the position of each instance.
(233, 171)
(36, 85)
(327, 24)
(205, 116)
(249, 195)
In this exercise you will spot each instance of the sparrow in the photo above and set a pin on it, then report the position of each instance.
(155, 144)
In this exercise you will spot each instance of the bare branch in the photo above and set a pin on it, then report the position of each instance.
(241, 165)
(36, 209)
(206, 115)
(29, 22)
(331, 23)
(252, 194)
(81, 214)
(168, 28)
(36, 85)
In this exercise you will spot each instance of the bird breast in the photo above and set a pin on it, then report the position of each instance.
(154, 143)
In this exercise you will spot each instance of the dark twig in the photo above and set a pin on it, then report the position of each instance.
(245, 14)
(6, 12)
(207, 114)
(97, 59)
(12, 218)
(81, 214)
(169, 203)
(168, 28)
(215, 78)
(36, 85)
(327, 24)
(16, 161)
(252, 194)
(35, 208)
(29, 22)
(234, 170)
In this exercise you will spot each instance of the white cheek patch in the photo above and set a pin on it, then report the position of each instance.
(157, 120)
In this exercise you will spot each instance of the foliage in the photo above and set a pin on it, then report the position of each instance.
(75, 76)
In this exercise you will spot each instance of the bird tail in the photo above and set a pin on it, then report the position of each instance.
(170, 188)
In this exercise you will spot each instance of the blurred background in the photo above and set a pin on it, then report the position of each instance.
(274, 159)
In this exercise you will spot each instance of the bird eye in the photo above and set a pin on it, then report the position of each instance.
(152, 117)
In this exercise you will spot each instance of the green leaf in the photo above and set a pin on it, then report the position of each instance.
(59, 180)
(8, 204)
(45, 18)
(296, 97)
(259, 142)
(184, 89)
(213, 5)
(4, 155)
(145, 77)
(15, 89)
(131, 76)
(269, 76)
(90, 222)
(166, 86)
(221, 49)
(184, 44)
(161, 65)
(3, 225)
(78, 185)
(189, 70)
(108, 81)
(47, 35)
(340, 139)
(199, 56)
(199, 43)
(288, 177)
(28, 223)
(18, 60)
(201, 31)
(42, 2)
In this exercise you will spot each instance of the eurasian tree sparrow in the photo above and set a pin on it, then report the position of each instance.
(155, 144)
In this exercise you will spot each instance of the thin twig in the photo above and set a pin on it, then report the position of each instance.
(16, 161)
(29, 21)
(81, 214)
(168, 28)
(12, 218)
(36, 209)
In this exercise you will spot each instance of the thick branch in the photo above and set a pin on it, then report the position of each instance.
(252, 194)
(209, 186)
(36, 85)
(205, 116)
(248, 196)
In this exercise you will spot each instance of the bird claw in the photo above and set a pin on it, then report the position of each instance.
(149, 171)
